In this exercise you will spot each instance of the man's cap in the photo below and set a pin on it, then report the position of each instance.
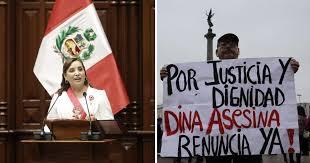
(228, 37)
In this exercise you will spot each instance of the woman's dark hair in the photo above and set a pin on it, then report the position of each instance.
(65, 84)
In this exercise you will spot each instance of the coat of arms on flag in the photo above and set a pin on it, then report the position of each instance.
(73, 42)
(74, 30)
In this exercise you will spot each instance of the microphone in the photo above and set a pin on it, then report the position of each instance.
(42, 135)
(90, 128)
(90, 135)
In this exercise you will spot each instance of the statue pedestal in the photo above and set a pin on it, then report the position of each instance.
(209, 36)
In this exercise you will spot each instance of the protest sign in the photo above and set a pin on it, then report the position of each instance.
(230, 107)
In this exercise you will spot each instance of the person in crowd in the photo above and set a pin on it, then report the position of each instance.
(69, 102)
(303, 132)
(307, 134)
(159, 133)
(308, 123)
(302, 140)
(227, 48)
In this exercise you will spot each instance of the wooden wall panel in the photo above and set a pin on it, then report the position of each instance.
(3, 115)
(3, 157)
(133, 65)
(149, 150)
(148, 46)
(107, 14)
(129, 59)
(30, 39)
(148, 72)
(30, 95)
(120, 20)
(3, 66)
(3, 45)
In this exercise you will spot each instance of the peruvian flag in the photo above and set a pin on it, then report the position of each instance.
(74, 30)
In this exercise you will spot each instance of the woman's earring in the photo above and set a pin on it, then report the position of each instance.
(66, 82)
(85, 81)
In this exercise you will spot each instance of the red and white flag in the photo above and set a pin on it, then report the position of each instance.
(74, 30)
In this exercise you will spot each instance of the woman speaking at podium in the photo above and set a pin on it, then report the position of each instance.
(76, 96)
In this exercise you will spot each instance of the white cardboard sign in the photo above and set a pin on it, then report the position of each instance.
(230, 107)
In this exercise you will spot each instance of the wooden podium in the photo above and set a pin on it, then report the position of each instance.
(67, 145)
(70, 129)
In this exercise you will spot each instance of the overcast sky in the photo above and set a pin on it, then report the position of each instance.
(265, 28)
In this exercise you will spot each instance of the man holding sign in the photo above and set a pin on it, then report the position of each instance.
(227, 48)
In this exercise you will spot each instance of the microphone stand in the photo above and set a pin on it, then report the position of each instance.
(42, 135)
(90, 135)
